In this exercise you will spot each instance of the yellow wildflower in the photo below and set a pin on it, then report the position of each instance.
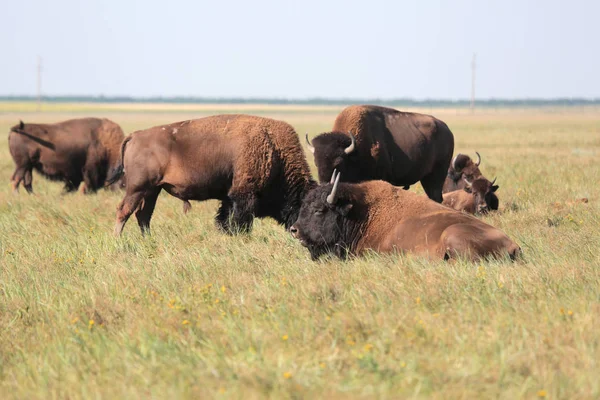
(368, 347)
(541, 393)
(185, 322)
(322, 365)
(418, 300)
(285, 337)
(91, 323)
(223, 289)
(287, 375)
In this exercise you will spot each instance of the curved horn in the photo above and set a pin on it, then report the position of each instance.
(332, 197)
(352, 146)
(478, 159)
(469, 183)
(494, 181)
(453, 163)
(310, 146)
(332, 176)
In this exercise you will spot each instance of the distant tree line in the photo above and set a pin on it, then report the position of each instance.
(407, 102)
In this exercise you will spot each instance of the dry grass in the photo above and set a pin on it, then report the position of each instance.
(192, 313)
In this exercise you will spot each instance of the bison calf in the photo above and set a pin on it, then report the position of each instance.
(352, 218)
(478, 197)
(254, 165)
(72, 151)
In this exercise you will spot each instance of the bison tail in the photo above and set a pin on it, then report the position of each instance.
(119, 171)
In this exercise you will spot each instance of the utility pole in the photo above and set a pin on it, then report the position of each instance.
(473, 67)
(39, 83)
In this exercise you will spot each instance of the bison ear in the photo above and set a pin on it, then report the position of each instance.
(21, 125)
(495, 187)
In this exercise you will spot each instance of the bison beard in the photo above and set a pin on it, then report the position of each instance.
(351, 218)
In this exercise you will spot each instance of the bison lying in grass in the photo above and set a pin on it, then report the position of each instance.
(462, 169)
(255, 166)
(477, 197)
(344, 218)
(72, 151)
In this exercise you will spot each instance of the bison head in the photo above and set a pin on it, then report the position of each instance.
(336, 151)
(462, 166)
(327, 219)
(484, 193)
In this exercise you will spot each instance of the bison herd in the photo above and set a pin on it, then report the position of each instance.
(256, 167)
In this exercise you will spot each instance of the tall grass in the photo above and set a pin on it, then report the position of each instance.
(189, 312)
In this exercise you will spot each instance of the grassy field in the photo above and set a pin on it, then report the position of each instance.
(191, 313)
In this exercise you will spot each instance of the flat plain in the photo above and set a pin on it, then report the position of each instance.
(191, 313)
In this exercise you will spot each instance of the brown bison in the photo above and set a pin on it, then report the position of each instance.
(346, 218)
(371, 142)
(72, 151)
(477, 197)
(254, 165)
(462, 168)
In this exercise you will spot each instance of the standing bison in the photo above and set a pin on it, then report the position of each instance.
(343, 218)
(254, 165)
(462, 168)
(371, 142)
(71, 151)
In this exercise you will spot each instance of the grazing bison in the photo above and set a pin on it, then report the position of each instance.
(254, 165)
(370, 142)
(353, 218)
(478, 197)
(462, 168)
(72, 151)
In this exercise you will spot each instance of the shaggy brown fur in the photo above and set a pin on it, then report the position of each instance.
(462, 167)
(399, 147)
(254, 165)
(377, 216)
(72, 151)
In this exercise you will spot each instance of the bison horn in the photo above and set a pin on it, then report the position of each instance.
(332, 197)
(494, 181)
(21, 125)
(478, 159)
(350, 148)
(332, 176)
(469, 183)
(310, 146)
(454, 162)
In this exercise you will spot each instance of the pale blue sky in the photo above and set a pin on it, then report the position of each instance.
(298, 49)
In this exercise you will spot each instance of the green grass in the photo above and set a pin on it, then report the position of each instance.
(192, 313)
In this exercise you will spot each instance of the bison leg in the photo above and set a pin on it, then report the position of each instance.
(433, 184)
(222, 219)
(70, 186)
(144, 213)
(127, 207)
(242, 214)
(27, 181)
(17, 178)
